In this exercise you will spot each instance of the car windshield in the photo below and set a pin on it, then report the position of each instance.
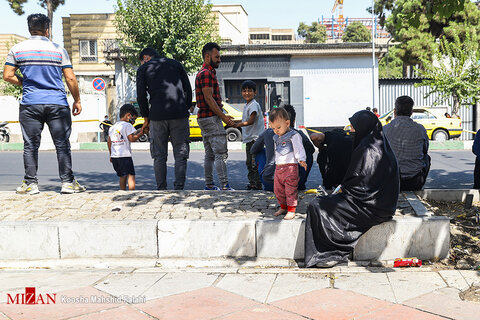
(386, 115)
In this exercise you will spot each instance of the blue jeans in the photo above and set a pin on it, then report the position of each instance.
(32, 119)
(216, 151)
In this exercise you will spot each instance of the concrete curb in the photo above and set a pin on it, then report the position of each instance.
(458, 195)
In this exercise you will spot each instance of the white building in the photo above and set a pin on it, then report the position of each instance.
(232, 21)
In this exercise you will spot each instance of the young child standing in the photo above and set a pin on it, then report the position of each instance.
(119, 137)
(289, 152)
(252, 121)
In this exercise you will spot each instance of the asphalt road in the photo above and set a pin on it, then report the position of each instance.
(450, 170)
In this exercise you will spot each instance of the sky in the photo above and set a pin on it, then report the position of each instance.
(261, 13)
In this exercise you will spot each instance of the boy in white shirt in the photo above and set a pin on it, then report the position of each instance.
(252, 121)
(289, 152)
(119, 137)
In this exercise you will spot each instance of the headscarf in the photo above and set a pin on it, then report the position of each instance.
(364, 122)
(372, 178)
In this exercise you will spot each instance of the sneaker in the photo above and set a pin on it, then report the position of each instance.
(72, 187)
(227, 188)
(213, 188)
(31, 188)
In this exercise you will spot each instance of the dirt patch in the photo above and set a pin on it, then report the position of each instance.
(464, 234)
(471, 294)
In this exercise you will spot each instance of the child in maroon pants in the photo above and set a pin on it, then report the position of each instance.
(289, 152)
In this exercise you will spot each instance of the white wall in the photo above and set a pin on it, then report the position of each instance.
(334, 87)
(93, 108)
(234, 25)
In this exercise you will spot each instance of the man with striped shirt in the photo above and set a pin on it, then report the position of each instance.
(42, 64)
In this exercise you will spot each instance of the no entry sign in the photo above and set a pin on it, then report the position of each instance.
(98, 84)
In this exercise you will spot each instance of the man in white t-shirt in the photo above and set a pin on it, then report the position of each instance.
(119, 137)
(253, 126)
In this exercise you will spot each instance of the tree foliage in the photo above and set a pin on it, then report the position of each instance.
(177, 29)
(314, 33)
(454, 71)
(391, 66)
(415, 9)
(356, 32)
(50, 5)
(417, 24)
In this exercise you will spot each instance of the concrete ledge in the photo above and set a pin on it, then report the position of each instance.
(280, 238)
(448, 195)
(206, 238)
(89, 239)
(425, 238)
(23, 240)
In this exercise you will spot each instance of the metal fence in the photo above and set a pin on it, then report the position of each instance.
(390, 89)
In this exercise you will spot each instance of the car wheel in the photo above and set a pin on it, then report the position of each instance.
(233, 134)
(144, 137)
(440, 135)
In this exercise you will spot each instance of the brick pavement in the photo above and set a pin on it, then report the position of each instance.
(216, 294)
(141, 205)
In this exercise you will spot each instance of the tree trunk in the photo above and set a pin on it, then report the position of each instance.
(50, 16)
(456, 105)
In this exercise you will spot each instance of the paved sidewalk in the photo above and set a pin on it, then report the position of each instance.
(141, 205)
(242, 293)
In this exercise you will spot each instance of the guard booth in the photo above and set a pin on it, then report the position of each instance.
(275, 87)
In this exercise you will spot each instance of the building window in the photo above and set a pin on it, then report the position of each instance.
(259, 36)
(88, 50)
(282, 37)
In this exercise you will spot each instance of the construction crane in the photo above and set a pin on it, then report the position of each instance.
(338, 26)
(338, 3)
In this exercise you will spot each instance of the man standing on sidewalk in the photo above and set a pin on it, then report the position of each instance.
(210, 117)
(44, 100)
(170, 93)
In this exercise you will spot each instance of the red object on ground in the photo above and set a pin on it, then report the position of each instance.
(407, 262)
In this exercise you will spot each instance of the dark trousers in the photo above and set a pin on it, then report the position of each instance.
(303, 174)
(253, 176)
(418, 181)
(32, 119)
(178, 130)
(476, 174)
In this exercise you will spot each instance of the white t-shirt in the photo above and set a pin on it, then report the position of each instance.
(118, 134)
(253, 131)
(297, 155)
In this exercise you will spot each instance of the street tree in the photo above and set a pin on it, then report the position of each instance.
(50, 5)
(390, 66)
(454, 72)
(176, 29)
(418, 24)
(356, 32)
(314, 33)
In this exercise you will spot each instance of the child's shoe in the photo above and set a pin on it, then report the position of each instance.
(213, 188)
(227, 188)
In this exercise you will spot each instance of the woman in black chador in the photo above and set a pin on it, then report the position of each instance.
(368, 197)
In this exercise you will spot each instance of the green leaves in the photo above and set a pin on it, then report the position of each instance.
(454, 71)
(356, 32)
(177, 29)
(315, 33)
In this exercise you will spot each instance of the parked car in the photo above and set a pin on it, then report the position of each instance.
(233, 134)
(439, 127)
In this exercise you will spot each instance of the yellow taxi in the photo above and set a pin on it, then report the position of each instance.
(439, 127)
(233, 134)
